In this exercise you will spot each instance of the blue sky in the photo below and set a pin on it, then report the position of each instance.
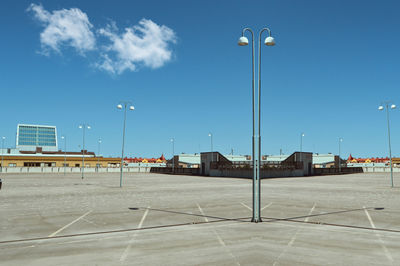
(334, 63)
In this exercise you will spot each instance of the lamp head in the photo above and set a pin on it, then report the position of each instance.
(243, 41)
(131, 108)
(380, 108)
(393, 106)
(62, 137)
(119, 106)
(269, 41)
(80, 126)
(89, 127)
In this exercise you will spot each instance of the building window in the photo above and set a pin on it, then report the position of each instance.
(12, 165)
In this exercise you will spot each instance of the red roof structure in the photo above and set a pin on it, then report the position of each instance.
(145, 160)
(367, 160)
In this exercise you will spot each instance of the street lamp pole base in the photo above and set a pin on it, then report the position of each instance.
(253, 220)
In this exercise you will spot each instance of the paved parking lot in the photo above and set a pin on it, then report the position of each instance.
(155, 219)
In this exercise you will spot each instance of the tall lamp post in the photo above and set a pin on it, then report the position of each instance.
(392, 106)
(2, 153)
(269, 41)
(211, 141)
(123, 105)
(301, 145)
(83, 126)
(340, 161)
(98, 154)
(173, 154)
(65, 153)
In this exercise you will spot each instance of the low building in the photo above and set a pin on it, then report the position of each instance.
(40, 158)
(325, 160)
(186, 161)
(216, 164)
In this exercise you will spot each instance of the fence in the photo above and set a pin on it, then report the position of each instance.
(168, 170)
(15, 170)
(333, 170)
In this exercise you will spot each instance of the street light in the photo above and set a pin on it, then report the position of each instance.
(301, 147)
(83, 127)
(65, 152)
(380, 108)
(98, 154)
(123, 105)
(2, 153)
(301, 142)
(211, 140)
(173, 154)
(340, 161)
(269, 41)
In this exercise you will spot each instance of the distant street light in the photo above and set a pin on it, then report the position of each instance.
(124, 105)
(269, 41)
(301, 146)
(65, 153)
(83, 127)
(380, 108)
(340, 161)
(2, 153)
(98, 154)
(173, 154)
(211, 140)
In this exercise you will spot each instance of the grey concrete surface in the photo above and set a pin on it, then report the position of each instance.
(155, 219)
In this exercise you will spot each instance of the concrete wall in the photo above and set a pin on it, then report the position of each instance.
(73, 170)
(248, 173)
(380, 169)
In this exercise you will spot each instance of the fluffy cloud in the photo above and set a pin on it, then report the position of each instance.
(145, 44)
(65, 27)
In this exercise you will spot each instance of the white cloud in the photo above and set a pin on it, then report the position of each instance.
(64, 27)
(144, 44)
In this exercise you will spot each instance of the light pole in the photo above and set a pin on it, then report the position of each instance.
(269, 41)
(98, 154)
(392, 106)
(83, 127)
(124, 105)
(2, 153)
(173, 154)
(65, 153)
(340, 161)
(211, 141)
(301, 142)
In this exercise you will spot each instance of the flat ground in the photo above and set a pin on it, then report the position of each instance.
(155, 219)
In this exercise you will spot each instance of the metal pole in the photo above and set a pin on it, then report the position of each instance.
(83, 151)
(2, 154)
(255, 217)
(98, 154)
(173, 155)
(390, 148)
(123, 143)
(259, 164)
(301, 147)
(211, 143)
(339, 156)
(65, 154)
